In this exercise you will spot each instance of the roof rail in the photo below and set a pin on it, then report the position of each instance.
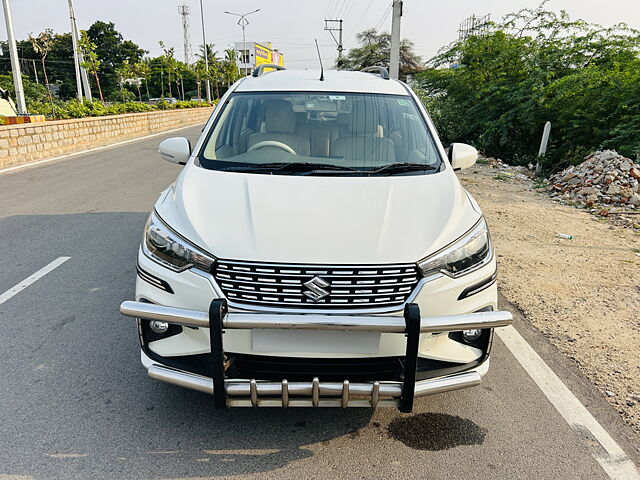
(383, 72)
(259, 70)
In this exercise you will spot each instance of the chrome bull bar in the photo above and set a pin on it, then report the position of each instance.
(251, 393)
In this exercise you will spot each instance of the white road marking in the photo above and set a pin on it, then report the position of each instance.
(32, 279)
(611, 457)
(102, 147)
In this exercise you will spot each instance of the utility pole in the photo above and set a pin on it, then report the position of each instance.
(15, 65)
(394, 60)
(243, 22)
(184, 12)
(329, 26)
(76, 62)
(206, 53)
(78, 57)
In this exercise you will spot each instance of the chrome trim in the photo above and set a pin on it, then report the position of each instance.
(362, 323)
(395, 309)
(246, 393)
(315, 392)
(345, 394)
(234, 270)
(375, 393)
(253, 392)
(285, 393)
(279, 265)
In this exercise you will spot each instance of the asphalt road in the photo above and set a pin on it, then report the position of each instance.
(75, 403)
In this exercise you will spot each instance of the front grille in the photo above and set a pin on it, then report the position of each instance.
(335, 287)
(304, 369)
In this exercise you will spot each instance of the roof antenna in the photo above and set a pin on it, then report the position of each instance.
(320, 58)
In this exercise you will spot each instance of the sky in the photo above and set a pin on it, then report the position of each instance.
(292, 25)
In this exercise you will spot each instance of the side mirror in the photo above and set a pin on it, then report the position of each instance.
(175, 150)
(462, 155)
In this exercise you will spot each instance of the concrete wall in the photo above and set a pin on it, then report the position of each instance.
(30, 142)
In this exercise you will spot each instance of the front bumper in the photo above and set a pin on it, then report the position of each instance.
(232, 392)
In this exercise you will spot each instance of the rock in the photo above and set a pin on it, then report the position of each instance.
(574, 181)
(610, 393)
(613, 189)
(603, 177)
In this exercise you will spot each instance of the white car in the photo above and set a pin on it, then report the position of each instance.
(317, 249)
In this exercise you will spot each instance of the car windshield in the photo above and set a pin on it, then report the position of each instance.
(298, 133)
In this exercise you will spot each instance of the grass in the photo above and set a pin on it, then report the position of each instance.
(502, 177)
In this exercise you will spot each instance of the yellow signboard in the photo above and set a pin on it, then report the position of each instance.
(267, 55)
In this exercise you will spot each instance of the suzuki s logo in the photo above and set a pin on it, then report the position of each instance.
(316, 288)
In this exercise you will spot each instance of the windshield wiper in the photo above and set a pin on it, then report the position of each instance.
(401, 167)
(288, 166)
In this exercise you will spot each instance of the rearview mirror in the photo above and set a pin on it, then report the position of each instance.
(175, 150)
(462, 155)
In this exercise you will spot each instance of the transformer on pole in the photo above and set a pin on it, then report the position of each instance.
(184, 12)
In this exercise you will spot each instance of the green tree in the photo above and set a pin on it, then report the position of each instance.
(91, 61)
(142, 70)
(112, 49)
(42, 45)
(375, 50)
(229, 66)
(497, 88)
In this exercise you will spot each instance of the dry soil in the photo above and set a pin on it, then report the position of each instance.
(583, 293)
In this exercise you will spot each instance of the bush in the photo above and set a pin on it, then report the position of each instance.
(497, 89)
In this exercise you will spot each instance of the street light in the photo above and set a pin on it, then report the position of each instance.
(243, 22)
(206, 53)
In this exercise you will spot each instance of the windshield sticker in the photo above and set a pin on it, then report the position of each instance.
(335, 98)
(404, 103)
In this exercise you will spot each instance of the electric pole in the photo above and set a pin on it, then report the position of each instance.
(81, 72)
(15, 65)
(394, 60)
(76, 62)
(206, 54)
(243, 22)
(329, 26)
(184, 12)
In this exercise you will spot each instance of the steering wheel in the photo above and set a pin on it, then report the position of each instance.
(272, 143)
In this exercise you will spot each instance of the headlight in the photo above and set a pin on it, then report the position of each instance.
(166, 247)
(470, 252)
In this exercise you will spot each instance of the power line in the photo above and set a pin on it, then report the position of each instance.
(384, 17)
(357, 24)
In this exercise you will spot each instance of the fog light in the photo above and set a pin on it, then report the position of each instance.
(471, 335)
(158, 327)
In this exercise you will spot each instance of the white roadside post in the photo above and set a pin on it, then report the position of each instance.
(543, 146)
(15, 65)
(394, 58)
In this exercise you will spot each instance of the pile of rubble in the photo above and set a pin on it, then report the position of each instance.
(604, 178)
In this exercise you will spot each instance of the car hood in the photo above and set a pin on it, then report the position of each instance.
(313, 219)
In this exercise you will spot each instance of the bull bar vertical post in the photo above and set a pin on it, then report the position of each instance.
(217, 312)
(412, 321)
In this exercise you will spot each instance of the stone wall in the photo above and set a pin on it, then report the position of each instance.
(30, 142)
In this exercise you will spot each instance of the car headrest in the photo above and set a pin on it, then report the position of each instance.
(364, 119)
(279, 117)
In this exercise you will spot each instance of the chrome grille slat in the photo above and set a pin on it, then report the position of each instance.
(350, 286)
(223, 271)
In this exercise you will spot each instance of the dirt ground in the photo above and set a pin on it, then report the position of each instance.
(583, 294)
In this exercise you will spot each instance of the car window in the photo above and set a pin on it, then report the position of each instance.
(353, 132)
